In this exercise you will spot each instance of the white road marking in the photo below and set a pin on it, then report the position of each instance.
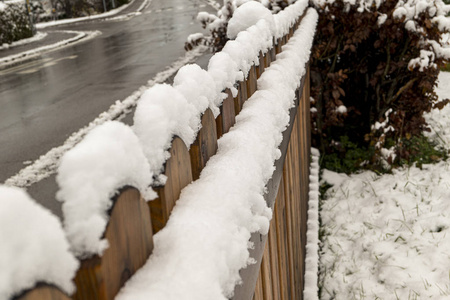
(48, 63)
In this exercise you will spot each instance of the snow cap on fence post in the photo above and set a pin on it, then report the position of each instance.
(90, 174)
(161, 113)
(247, 15)
(33, 246)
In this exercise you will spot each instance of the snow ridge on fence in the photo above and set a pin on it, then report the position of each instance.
(157, 121)
(210, 226)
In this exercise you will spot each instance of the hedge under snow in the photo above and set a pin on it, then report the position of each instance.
(200, 251)
(33, 246)
(412, 11)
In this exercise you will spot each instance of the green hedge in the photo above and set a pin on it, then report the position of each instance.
(14, 22)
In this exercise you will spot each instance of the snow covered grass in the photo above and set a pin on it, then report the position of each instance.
(385, 237)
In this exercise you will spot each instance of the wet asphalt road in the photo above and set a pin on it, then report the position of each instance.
(44, 101)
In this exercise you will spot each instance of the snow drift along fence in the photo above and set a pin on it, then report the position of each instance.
(279, 256)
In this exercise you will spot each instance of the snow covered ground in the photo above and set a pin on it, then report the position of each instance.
(385, 237)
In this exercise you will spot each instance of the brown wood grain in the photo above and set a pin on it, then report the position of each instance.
(43, 292)
(179, 174)
(205, 144)
(276, 288)
(251, 81)
(266, 273)
(260, 67)
(283, 254)
(130, 238)
(227, 116)
(289, 198)
(241, 97)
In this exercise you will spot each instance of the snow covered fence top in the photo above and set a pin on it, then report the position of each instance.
(162, 112)
(108, 158)
(199, 253)
(33, 246)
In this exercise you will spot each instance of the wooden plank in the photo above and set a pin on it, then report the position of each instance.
(293, 172)
(43, 292)
(179, 174)
(273, 246)
(266, 272)
(251, 81)
(283, 265)
(227, 116)
(205, 144)
(260, 67)
(279, 45)
(130, 238)
(289, 198)
(267, 59)
(241, 97)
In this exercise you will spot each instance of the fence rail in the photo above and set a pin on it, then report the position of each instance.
(278, 273)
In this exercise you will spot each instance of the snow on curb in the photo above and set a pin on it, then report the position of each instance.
(90, 18)
(39, 36)
(33, 246)
(210, 226)
(80, 35)
(312, 236)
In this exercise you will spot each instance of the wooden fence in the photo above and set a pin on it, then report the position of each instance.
(280, 255)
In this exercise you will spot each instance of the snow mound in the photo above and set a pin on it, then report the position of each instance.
(247, 15)
(33, 246)
(161, 113)
(311, 291)
(90, 174)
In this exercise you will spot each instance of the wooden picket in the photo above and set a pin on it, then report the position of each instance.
(178, 171)
(205, 145)
(130, 239)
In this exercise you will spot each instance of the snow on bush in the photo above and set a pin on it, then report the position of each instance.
(374, 57)
(199, 253)
(14, 23)
(33, 246)
(311, 290)
(90, 174)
